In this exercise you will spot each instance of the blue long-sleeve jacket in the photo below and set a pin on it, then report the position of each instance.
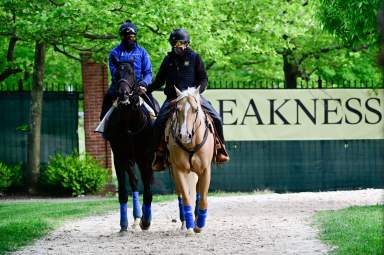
(141, 62)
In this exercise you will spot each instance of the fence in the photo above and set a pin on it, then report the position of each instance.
(59, 121)
(301, 84)
(277, 165)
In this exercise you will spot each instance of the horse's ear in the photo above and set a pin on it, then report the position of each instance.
(178, 92)
(197, 91)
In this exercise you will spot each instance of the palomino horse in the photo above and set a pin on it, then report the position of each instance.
(191, 147)
(129, 132)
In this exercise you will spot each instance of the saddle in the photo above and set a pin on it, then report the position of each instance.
(152, 112)
(219, 145)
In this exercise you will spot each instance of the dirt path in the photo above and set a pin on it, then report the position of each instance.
(251, 224)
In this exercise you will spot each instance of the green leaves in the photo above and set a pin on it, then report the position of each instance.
(74, 175)
(10, 176)
(354, 21)
(241, 40)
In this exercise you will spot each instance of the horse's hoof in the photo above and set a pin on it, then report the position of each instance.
(197, 229)
(144, 224)
(136, 223)
(123, 229)
(183, 227)
(189, 232)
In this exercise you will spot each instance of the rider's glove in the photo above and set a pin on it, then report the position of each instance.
(142, 84)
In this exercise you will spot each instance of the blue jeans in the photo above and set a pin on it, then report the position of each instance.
(165, 111)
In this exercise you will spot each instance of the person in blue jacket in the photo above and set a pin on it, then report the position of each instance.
(128, 51)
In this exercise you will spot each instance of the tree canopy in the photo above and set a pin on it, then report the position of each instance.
(354, 21)
(238, 40)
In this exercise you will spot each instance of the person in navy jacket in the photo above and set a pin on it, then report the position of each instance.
(183, 68)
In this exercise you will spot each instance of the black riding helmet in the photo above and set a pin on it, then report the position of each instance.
(128, 28)
(178, 34)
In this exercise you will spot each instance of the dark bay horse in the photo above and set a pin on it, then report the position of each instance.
(129, 132)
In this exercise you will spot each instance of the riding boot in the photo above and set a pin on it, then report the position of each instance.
(221, 155)
(221, 152)
(158, 163)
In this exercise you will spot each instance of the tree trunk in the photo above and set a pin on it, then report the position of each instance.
(290, 73)
(34, 136)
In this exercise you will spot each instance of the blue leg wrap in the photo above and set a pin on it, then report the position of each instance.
(181, 209)
(147, 213)
(197, 203)
(188, 215)
(202, 216)
(123, 215)
(136, 205)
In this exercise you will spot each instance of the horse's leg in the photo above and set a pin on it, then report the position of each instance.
(204, 182)
(181, 183)
(192, 179)
(135, 193)
(197, 201)
(146, 172)
(121, 165)
(181, 210)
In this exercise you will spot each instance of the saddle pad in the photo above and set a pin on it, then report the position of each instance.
(103, 123)
(149, 108)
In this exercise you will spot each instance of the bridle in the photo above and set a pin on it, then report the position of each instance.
(128, 102)
(174, 126)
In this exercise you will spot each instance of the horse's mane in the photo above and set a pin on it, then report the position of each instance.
(191, 91)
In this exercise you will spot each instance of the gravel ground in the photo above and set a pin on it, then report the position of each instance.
(248, 224)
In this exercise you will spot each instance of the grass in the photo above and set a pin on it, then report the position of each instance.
(355, 230)
(23, 222)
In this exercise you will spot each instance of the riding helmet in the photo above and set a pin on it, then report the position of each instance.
(178, 35)
(128, 28)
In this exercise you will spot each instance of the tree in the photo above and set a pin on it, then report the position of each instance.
(41, 22)
(279, 39)
(354, 21)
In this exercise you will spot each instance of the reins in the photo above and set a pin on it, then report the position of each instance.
(198, 146)
(131, 133)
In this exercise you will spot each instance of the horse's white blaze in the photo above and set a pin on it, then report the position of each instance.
(184, 127)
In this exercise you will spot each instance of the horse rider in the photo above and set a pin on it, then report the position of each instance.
(129, 51)
(183, 68)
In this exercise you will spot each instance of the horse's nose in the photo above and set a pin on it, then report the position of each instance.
(189, 136)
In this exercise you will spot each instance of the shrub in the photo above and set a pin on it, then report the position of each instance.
(10, 176)
(74, 175)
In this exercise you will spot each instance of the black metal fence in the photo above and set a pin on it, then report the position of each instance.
(222, 84)
(48, 87)
(301, 84)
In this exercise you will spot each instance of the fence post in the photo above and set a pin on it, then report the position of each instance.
(95, 84)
